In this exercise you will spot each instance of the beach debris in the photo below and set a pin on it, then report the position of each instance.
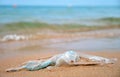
(14, 37)
(101, 60)
(67, 58)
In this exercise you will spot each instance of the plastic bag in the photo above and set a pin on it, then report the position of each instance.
(69, 57)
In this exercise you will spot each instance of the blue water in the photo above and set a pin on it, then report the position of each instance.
(56, 14)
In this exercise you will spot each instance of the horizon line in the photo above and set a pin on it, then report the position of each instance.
(66, 5)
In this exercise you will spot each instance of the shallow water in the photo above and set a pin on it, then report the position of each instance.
(91, 44)
(88, 44)
(91, 40)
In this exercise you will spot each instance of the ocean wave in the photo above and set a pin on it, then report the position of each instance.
(33, 27)
(85, 22)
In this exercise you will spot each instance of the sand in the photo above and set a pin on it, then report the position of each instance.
(110, 70)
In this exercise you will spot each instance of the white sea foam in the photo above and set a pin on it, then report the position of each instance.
(14, 37)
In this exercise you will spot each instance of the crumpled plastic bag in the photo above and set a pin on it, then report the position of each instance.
(69, 57)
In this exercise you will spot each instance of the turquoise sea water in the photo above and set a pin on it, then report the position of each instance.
(58, 15)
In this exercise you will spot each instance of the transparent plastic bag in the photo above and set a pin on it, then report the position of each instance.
(69, 57)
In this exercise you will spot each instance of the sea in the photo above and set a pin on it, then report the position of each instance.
(87, 15)
(83, 15)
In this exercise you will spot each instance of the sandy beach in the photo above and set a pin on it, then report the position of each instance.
(14, 53)
(110, 70)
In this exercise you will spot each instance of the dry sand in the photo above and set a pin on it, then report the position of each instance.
(110, 70)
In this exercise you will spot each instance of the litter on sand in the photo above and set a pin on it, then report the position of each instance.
(67, 58)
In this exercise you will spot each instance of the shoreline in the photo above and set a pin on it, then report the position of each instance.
(97, 40)
(48, 40)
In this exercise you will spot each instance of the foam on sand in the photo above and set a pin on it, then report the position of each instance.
(14, 37)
